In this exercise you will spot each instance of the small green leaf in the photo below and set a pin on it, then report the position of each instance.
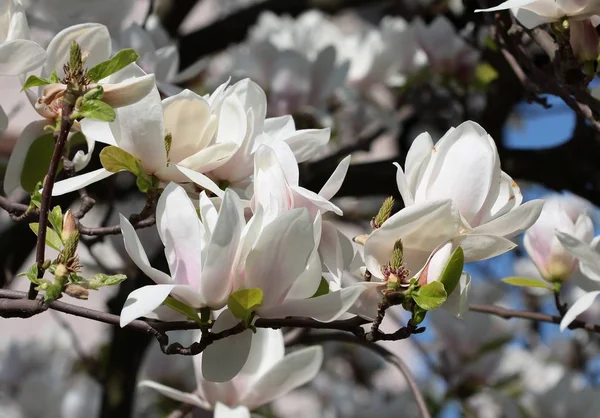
(525, 282)
(56, 219)
(95, 109)
(52, 238)
(431, 296)
(95, 93)
(121, 60)
(115, 159)
(450, 276)
(485, 74)
(35, 81)
(323, 288)
(101, 280)
(418, 315)
(182, 308)
(54, 77)
(31, 274)
(243, 302)
(144, 182)
(35, 200)
(37, 161)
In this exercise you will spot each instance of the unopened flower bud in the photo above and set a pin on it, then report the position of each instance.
(384, 213)
(69, 225)
(77, 291)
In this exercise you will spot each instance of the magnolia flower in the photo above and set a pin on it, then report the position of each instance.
(157, 56)
(553, 261)
(17, 53)
(446, 51)
(200, 257)
(589, 265)
(385, 54)
(120, 89)
(532, 13)
(459, 179)
(267, 375)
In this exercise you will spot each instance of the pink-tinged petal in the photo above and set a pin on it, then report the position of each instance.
(129, 91)
(403, 188)
(588, 258)
(330, 250)
(458, 301)
(478, 247)
(291, 372)
(422, 228)
(308, 143)
(98, 131)
(271, 190)
(78, 182)
(175, 394)
(12, 178)
(209, 158)
(187, 117)
(179, 228)
(134, 248)
(333, 184)
(417, 158)
(436, 263)
(304, 198)
(280, 255)
(208, 212)
(514, 222)
(93, 39)
(324, 308)
(201, 180)
(219, 256)
(223, 411)
(582, 305)
(20, 56)
(287, 161)
(223, 359)
(250, 234)
(143, 301)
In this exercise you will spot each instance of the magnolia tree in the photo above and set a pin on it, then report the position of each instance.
(296, 206)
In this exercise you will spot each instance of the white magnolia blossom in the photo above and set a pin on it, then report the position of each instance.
(385, 54)
(553, 261)
(158, 55)
(120, 89)
(266, 375)
(532, 13)
(447, 52)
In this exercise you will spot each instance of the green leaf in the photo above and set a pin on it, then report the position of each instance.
(115, 159)
(52, 238)
(485, 74)
(36, 163)
(525, 282)
(243, 302)
(323, 288)
(54, 77)
(35, 81)
(121, 60)
(450, 276)
(431, 296)
(36, 197)
(182, 308)
(95, 109)
(31, 274)
(145, 182)
(56, 219)
(101, 280)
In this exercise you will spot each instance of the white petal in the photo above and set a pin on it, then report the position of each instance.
(223, 411)
(201, 180)
(12, 178)
(292, 371)
(333, 184)
(223, 359)
(167, 62)
(20, 56)
(457, 303)
(134, 248)
(481, 247)
(82, 159)
(514, 222)
(209, 158)
(129, 91)
(175, 394)
(586, 255)
(582, 305)
(232, 122)
(313, 202)
(324, 308)
(143, 301)
(280, 127)
(307, 143)
(401, 182)
(98, 131)
(78, 182)
(280, 255)
(93, 39)
(417, 158)
(218, 258)
(510, 4)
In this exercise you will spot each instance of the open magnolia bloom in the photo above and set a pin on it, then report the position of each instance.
(122, 88)
(17, 53)
(589, 265)
(200, 257)
(532, 13)
(552, 260)
(266, 375)
(479, 205)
